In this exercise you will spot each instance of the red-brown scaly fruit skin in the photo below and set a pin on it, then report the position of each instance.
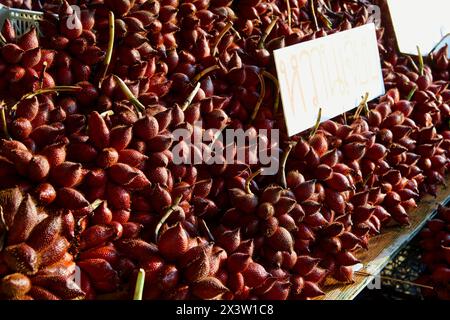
(168, 278)
(11, 53)
(305, 264)
(120, 137)
(38, 168)
(254, 275)
(279, 291)
(159, 143)
(45, 193)
(104, 277)
(238, 262)
(15, 285)
(107, 253)
(197, 246)
(46, 134)
(38, 293)
(54, 252)
(345, 258)
(173, 243)
(21, 159)
(131, 230)
(344, 274)
(45, 232)
(146, 128)
(21, 258)
(62, 286)
(71, 199)
(11, 199)
(338, 182)
(98, 130)
(122, 216)
(246, 203)
(136, 249)
(158, 175)
(208, 288)
(122, 174)
(96, 235)
(55, 154)
(8, 145)
(20, 128)
(216, 260)
(8, 31)
(118, 197)
(29, 40)
(25, 219)
(67, 174)
(28, 108)
(354, 150)
(281, 240)
(119, 7)
(96, 178)
(311, 290)
(160, 198)
(102, 214)
(107, 158)
(305, 190)
(199, 268)
(152, 265)
(132, 157)
(229, 240)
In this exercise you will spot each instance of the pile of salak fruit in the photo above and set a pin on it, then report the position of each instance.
(90, 189)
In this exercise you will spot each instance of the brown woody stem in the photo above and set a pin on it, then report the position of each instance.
(312, 7)
(109, 50)
(411, 93)
(413, 64)
(42, 77)
(47, 90)
(316, 126)
(208, 232)
(267, 32)
(421, 64)
(191, 97)
(3, 229)
(166, 216)
(361, 106)
(369, 176)
(325, 20)
(282, 171)
(289, 13)
(4, 123)
(227, 27)
(249, 180)
(276, 103)
(203, 73)
(2, 219)
(262, 94)
(236, 33)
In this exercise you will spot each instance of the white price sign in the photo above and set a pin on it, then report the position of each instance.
(332, 73)
(419, 23)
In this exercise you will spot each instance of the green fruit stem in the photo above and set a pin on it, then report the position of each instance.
(109, 50)
(139, 288)
(127, 92)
